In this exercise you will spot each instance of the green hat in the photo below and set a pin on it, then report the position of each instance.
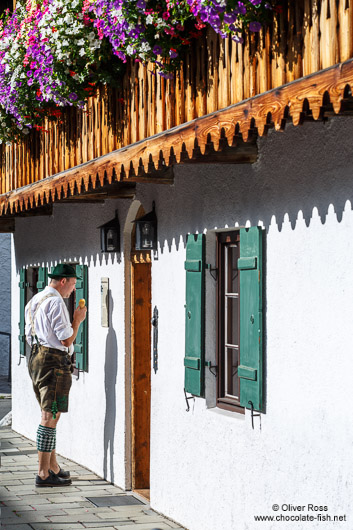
(63, 270)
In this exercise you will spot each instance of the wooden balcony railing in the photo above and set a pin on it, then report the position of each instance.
(308, 36)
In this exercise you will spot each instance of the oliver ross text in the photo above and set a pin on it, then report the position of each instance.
(308, 507)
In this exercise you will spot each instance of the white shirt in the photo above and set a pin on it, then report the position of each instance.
(52, 323)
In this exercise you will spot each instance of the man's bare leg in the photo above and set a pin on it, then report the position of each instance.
(45, 458)
(53, 465)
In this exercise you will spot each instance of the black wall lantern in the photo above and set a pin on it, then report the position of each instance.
(146, 231)
(110, 235)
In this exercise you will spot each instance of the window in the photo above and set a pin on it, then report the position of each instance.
(32, 280)
(239, 318)
(228, 391)
(35, 279)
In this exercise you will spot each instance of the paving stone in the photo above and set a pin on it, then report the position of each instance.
(10, 482)
(104, 524)
(90, 509)
(57, 506)
(66, 498)
(23, 488)
(130, 509)
(94, 492)
(79, 476)
(48, 490)
(52, 526)
(112, 515)
(32, 500)
(20, 526)
(21, 508)
(82, 517)
(114, 522)
(47, 512)
(6, 511)
(28, 519)
(100, 527)
(150, 526)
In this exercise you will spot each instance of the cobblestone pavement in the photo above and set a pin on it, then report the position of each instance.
(25, 507)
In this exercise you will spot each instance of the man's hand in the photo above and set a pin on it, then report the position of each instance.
(80, 314)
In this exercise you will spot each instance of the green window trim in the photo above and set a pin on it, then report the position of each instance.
(81, 343)
(194, 359)
(250, 370)
(42, 282)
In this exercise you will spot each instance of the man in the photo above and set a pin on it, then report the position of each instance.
(51, 335)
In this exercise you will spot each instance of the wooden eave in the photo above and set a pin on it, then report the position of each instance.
(225, 136)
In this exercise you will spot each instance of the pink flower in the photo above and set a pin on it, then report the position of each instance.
(166, 15)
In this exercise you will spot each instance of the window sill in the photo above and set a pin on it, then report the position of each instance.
(232, 407)
(234, 414)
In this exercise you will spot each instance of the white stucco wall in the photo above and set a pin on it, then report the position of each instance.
(209, 469)
(5, 301)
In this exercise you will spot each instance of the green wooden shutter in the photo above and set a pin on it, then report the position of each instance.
(21, 324)
(42, 278)
(81, 343)
(194, 359)
(250, 267)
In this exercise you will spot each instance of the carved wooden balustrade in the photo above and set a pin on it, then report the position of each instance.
(308, 36)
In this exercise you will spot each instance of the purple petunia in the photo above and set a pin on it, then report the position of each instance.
(255, 26)
(157, 50)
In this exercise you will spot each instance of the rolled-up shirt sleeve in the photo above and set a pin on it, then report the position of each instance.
(59, 321)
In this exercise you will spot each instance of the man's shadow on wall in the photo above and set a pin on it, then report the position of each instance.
(110, 375)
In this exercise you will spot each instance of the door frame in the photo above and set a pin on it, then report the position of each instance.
(135, 211)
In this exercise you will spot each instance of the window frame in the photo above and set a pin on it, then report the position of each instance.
(223, 240)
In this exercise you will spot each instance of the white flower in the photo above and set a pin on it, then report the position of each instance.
(82, 52)
(80, 42)
(115, 12)
(149, 19)
(68, 19)
(130, 49)
(145, 47)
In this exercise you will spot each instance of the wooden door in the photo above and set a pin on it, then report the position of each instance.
(141, 369)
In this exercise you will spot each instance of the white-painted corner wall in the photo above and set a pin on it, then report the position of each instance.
(5, 302)
(209, 469)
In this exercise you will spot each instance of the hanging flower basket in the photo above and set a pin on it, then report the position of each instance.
(53, 53)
